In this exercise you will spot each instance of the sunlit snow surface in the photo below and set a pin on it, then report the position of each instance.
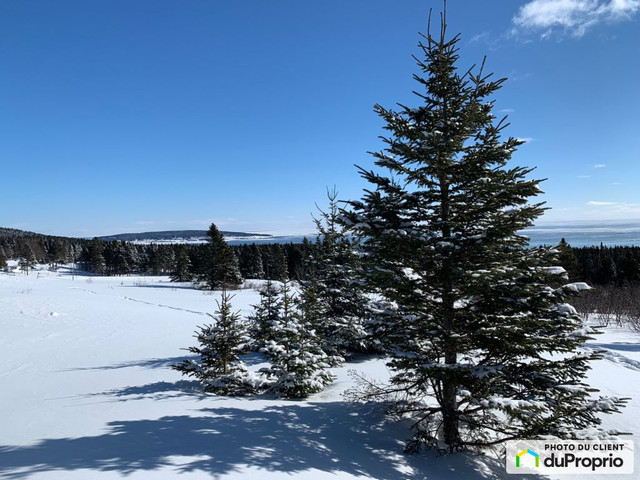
(86, 392)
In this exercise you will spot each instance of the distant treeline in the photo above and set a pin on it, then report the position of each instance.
(601, 265)
(264, 261)
(596, 265)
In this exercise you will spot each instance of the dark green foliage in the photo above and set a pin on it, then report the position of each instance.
(568, 260)
(27, 257)
(274, 262)
(483, 348)
(250, 261)
(182, 266)
(220, 269)
(220, 346)
(600, 265)
(122, 257)
(55, 252)
(3, 258)
(117, 258)
(299, 366)
(265, 314)
(46, 248)
(329, 291)
(97, 262)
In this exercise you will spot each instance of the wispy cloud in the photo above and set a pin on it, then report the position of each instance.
(615, 209)
(491, 41)
(600, 165)
(525, 139)
(572, 17)
(479, 37)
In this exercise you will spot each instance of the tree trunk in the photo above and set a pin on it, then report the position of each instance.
(449, 405)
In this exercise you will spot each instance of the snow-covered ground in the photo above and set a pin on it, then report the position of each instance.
(86, 392)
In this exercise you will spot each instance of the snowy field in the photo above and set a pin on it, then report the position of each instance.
(86, 392)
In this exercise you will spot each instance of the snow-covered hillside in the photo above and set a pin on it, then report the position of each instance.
(86, 392)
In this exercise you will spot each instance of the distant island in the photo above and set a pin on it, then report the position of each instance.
(180, 236)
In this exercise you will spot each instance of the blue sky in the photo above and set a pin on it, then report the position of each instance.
(120, 116)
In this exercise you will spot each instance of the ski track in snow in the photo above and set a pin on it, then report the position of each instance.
(164, 306)
(195, 312)
(83, 290)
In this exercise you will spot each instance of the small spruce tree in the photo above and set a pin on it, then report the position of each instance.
(299, 365)
(264, 314)
(220, 345)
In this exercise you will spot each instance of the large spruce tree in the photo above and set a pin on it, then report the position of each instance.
(484, 349)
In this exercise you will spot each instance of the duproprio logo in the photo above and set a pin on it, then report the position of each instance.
(557, 456)
(527, 452)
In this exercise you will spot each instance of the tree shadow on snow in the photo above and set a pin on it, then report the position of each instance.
(250, 359)
(147, 363)
(339, 438)
(156, 391)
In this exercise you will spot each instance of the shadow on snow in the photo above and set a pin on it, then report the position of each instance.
(333, 437)
(622, 346)
(250, 359)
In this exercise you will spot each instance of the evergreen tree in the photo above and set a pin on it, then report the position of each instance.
(116, 258)
(27, 258)
(97, 262)
(568, 260)
(275, 262)
(265, 314)
(3, 258)
(250, 261)
(221, 265)
(483, 349)
(220, 345)
(254, 264)
(629, 268)
(299, 366)
(330, 291)
(182, 266)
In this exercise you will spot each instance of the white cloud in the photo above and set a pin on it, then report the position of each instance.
(574, 17)
(613, 210)
(492, 42)
(600, 165)
(525, 139)
(479, 37)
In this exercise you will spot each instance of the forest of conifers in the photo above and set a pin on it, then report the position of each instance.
(596, 265)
